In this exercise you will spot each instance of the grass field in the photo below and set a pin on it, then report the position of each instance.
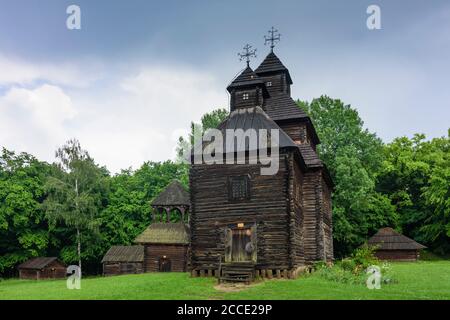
(421, 280)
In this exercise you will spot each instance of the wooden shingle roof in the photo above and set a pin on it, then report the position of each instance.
(246, 78)
(389, 239)
(281, 106)
(310, 156)
(272, 64)
(37, 263)
(173, 195)
(165, 233)
(124, 254)
(249, 118)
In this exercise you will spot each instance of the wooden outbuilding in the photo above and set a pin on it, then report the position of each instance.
(42, 268)
(165, 247)
(394, 246)
(166, 243)
(123, 260)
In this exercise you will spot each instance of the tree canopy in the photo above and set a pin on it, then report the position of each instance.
(404, 184)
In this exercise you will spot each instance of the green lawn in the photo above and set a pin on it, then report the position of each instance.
(421, 280)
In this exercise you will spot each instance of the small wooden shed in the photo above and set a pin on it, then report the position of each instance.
(166, 243)
(42, 268)
(123, 260)
(394, 246)
(165, 247)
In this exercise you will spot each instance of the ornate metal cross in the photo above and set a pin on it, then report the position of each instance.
(247, 53)
(273, 38)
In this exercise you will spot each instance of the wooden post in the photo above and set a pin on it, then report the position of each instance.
(269, 273)
(182, 211)
(168, 213)
(278, 273)
(263, 273)
(161, 214)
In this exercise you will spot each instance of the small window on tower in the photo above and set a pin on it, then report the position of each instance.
(269, 84)
(239, 188)
(245, 96)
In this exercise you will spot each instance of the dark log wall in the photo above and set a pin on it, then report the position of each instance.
(254, 98)
(327, 221)
(298, 132)
(177, 254)
(297, 218)
(212, 212)
(279, 83)
(117, 268)
(311, 208)
(397, 255)
(317, 225)
(54, 270)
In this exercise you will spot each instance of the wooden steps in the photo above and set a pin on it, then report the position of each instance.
(237, 272)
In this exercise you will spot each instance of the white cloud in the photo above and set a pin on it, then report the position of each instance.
(18, 72)
(135, 119)
(141, 119)
(34, 120)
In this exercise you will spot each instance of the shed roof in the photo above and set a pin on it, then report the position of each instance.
(165, 233)
(173, 195)
(124, 254)
(389, 239)
(37, 263)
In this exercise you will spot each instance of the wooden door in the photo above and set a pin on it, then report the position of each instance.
(240, 244)
(241, 247)
(165, 264)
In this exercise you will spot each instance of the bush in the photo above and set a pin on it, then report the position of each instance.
(363, 257)
(353, 269)
(337, 274)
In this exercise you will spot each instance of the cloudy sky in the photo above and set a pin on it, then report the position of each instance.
(131, 80)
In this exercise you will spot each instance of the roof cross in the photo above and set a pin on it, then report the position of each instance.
(273, 38)
(247, 53)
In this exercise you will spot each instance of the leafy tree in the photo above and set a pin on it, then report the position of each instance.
(416, 177)
(209, 120)
(354, 157)
(23, 229)
(75, 191)
(128, 212)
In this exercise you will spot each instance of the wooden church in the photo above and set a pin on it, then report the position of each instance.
(244, 224)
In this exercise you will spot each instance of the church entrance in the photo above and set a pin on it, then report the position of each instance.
(240, 243)
(241, 247)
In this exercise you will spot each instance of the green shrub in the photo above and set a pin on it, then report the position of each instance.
(363, 257)
(353, 270)
(337, 274)
(348, 264)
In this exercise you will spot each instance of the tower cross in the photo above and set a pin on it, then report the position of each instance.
(273, 38)
(247, 53)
